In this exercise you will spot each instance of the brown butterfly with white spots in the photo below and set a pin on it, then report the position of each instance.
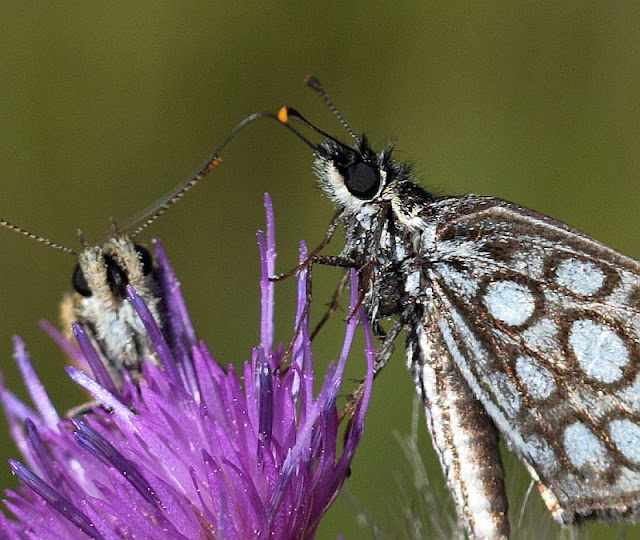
(516, 325)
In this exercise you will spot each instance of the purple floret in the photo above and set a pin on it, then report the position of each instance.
(192, 450)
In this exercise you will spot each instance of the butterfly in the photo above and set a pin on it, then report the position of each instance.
(100, 278)
(515, 324)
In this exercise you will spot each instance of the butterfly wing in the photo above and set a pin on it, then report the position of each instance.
(463, 435)
(544, 323)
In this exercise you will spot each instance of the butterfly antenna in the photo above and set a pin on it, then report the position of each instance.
(314, 83)
(153, 212)
(40, 239)
(115, 230)
(82, 238)
(286, 114)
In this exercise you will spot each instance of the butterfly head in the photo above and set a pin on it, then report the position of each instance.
(352, 176)
(100, 303)
(105, 271)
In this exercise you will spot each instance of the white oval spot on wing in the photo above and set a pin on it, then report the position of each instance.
(583, 448)
(542, 336)
(581, 277)
(601, 352)
(509, 302)
(537, 379)
(626, 436)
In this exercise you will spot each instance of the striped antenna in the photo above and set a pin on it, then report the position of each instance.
(153, 212)
(314, 83)
(40, 239)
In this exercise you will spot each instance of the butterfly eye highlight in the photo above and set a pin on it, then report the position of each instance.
(362, 179)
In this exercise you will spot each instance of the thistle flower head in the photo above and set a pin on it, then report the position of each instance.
(192, 450)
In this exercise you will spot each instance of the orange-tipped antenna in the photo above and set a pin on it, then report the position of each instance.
(286, 114)
(40, 239)
(314, 83)
(153, 212)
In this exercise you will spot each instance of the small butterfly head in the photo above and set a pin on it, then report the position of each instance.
(100, 302)
(105, 271)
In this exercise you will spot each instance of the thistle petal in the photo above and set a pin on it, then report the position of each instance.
(191, 450)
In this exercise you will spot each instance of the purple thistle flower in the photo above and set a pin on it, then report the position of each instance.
(188, 453)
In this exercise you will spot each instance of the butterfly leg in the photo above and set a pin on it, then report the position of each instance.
(333, 305)
(310, 259)
(463, 435)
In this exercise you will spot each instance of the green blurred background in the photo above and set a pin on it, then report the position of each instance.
(104, 108)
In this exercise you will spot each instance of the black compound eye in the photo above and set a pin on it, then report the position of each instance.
(146, 260)
(80, 283)
(362, 179)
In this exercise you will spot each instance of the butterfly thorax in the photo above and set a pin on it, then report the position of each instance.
(383, 214)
